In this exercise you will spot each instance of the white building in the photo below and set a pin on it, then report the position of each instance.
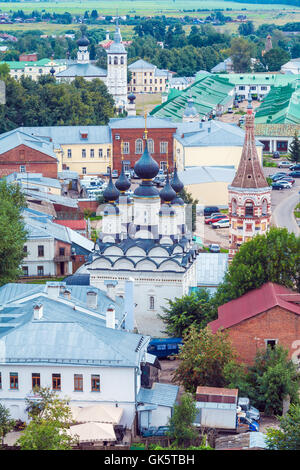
(291, 67)
(115, 77)
(71, 339)
(145, 239)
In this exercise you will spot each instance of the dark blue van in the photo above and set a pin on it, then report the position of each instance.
(164, 347)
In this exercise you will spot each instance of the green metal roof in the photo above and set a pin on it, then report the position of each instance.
(13, 64)
(280, 106)
(207, 93)
(276, 79)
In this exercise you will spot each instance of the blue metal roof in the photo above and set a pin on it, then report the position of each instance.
(161, 395)
(71, 134)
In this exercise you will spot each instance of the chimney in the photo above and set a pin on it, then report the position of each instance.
(111, 317)
(92, 299)
(129, 304)
(67, 294)
(37, 311)
(110, 289)
(53, 290)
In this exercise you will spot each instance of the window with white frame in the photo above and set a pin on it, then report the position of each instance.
(83, 153)
(92, 153)
(126, 148)
(69, 153)
(100, 153)
(139, 146)
(150, 143)
(163, 147)
(151, 302)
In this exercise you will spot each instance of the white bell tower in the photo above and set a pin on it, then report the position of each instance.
(117, 70)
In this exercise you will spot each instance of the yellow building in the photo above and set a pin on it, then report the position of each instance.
(84, 149)
(34, 70)
(209, 143)
(147, 78)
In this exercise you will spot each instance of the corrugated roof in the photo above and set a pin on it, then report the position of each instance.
(280, 106)
(253, 303)
(82, 70)
(160, 394)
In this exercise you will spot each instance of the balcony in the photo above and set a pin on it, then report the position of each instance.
(61, 258)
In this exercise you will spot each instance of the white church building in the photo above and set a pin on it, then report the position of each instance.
(115, 77)
(145, 239)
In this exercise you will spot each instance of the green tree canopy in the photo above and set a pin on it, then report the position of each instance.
(203, 357)
(274, 257)
(50, 419)
(294, 150)
(287, 437)
(12, 231)
(181, 425)
(183, 312)
(275, 58)
(240, 51)
(6, 423)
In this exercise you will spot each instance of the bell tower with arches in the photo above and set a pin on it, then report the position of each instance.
(249, 194)
(116, 81)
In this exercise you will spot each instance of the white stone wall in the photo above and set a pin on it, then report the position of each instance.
(110, 390)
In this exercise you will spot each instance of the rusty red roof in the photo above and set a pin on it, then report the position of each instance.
(229, 392)
(73, 224)
(253, 303)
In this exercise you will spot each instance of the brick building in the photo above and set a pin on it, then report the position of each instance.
(262, 317)
(24, 153)
(129, 133)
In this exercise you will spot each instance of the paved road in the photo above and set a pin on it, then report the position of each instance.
(283, 212)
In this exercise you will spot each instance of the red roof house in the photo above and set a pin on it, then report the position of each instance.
(79, 226)
(266, 316)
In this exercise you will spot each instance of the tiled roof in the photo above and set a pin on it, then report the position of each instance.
(276, 130)
(255, 302)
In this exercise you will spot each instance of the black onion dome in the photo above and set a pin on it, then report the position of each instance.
(110, 193)
(83, 41)
(122, 183)
(167, 194)
(131, 97)
(176, 184)
(146, 167)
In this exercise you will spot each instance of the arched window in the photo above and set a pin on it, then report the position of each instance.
(139, 146)
(264, 207)
(150, 144)
(116, 60)
(151, 302)
(122, 60)
(233, 206)
(249, 209)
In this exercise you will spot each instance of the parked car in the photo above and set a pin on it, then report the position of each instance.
(286, 184)
(214, 248)
(215, 218)
(160, 180)
(278, 176)
(278, 186)
(155, 431)
(295, 174)
(286, 178)
(295, 167)
(223, 223)
(284, 164)
(208, 210)
(276, 154)
(114, 174)
(229, 110)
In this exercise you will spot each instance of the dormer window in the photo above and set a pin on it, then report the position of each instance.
(83, 134)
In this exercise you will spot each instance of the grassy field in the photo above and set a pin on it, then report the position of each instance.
(259, 14)
(146, 102)
(146, 7)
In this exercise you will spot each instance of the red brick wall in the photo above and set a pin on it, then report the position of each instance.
(250, 335)
(62, 258)
(34, 161)
(131, 135)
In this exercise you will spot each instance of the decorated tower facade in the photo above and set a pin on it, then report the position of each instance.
(117, 70)
(83, 56)
(249, 194)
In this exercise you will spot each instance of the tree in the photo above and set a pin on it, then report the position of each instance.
(12, 232)
(273, 257)
(50, 419)
(288, 436)
(275, 58)
(181, 427)
(203, 357)
(294, 149)
(185, 311)
(272, 378)
(6, 423)
(240, 52)
(245, 29)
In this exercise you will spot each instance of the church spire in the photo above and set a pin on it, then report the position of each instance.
(249, 173)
